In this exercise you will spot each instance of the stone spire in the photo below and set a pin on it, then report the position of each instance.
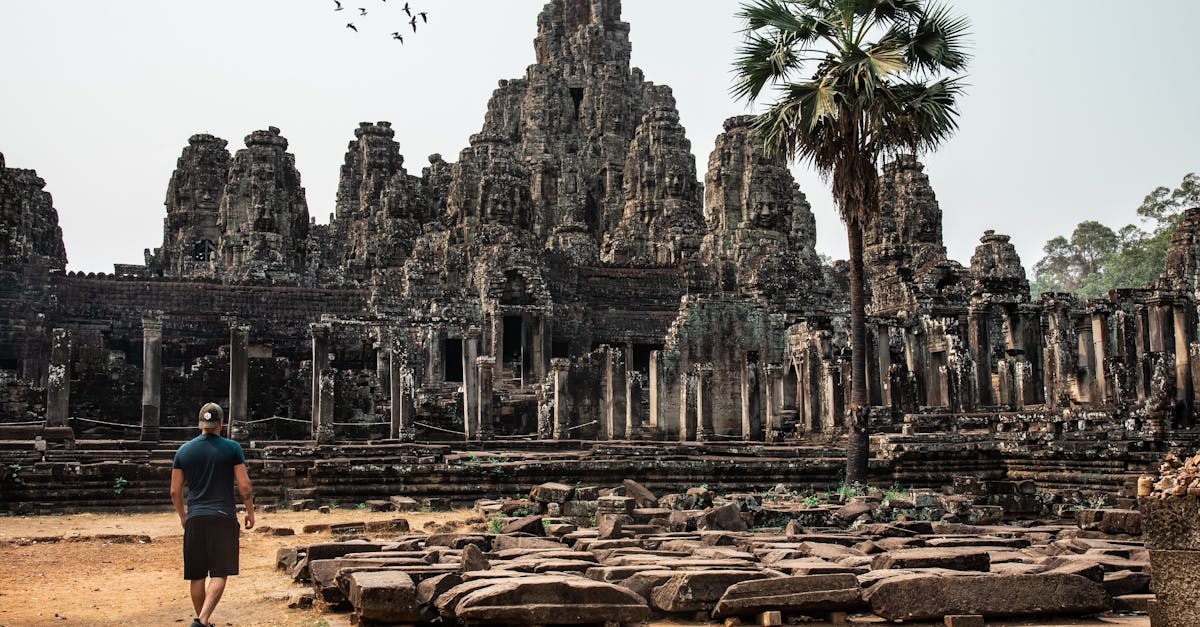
(909, 212)
(1181, 270)
(662, 222)
(997, 269)
(578, 37)
(379, 207)
(190, 232)
(761, 230)
(263, 215)
(29, 231)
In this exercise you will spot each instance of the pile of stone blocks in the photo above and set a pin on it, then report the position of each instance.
(633, 565)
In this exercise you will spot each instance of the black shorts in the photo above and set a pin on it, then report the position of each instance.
(210, 547)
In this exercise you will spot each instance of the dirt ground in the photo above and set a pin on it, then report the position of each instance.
(103, 583)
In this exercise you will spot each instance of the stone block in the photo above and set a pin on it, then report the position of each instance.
(531, 525)
(379, 506)
(967, 559)
(392, 525)
(615, 505)
(724, 518)
(1171, 524)
(790, 594)
(1175, 579)
(404, 504)
(1122, 521)
(541, 600)
(639, 493)
(964, 620)
(384, 596)
(551, 493)
(698, 590)
(920, 597)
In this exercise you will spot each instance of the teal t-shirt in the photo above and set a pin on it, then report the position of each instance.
(207, 463)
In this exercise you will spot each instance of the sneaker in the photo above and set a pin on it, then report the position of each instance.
(196, 623)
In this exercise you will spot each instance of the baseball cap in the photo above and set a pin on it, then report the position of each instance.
(211, 415)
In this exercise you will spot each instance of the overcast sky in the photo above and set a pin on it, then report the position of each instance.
(1077, 109)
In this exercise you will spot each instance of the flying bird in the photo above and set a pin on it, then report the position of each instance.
(407, 10)
(397, 35)
(362, 11)
(414, 24)
(424, 17)
(339, 5)
(352, 27)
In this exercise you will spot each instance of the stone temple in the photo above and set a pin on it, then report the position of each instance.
(568, 288)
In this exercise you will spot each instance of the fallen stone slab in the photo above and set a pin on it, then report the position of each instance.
(639, 493)
(385, 597)
(1126, 582)
(551, 493)
(562, 600)
(331, 550)
(973, 559)
(797, 595)
(699, 590)
(429, 590)
(724, 518)
(931, 597)
(508, 543)
(531, 525)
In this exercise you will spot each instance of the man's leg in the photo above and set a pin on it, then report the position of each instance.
(197, 590)
(216, 587)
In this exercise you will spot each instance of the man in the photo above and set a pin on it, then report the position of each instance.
(210, 465)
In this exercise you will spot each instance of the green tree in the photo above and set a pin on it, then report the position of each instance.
(1096, 260)
(855, 81)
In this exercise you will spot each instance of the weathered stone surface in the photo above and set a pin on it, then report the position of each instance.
(551, 599)
(551, 493)
(531, 525)
(384, 596)
(473, 559)
(926, 597)
(970, 559)
(640, 494)
(699, 590)
(791, 594)
(724, 518)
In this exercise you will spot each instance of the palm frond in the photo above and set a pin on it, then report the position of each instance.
(938, 41)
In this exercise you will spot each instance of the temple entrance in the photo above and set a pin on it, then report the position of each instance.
(512, 352)
(452, 353)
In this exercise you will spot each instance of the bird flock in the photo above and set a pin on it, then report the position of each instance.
(413, 15)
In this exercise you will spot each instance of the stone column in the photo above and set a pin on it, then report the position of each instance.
(435, 369)
(916, 344)
(486, 367)
(1100, 349)
(151, 377)
(751, 408)
(705, 401)
(320, 363)
(1087, 359)
(383, 363)
(977, 336)
(655, 389)
(687, 407)
(325, 430)
(831, 401)
(470, 352)
(773, 385)
(562, 417)
(1183, 368)
(633, 405)
(58, 381)
(614, 411)
(401, 384)
(238, 376)
(541, 343)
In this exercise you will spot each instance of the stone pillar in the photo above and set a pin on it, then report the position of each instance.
(633, 405)
(831, 401)
(656, 420)
(151, 377)
(435, 368)
(687, 407)
(1183, 368)
(402, 388)
(238, 376)
(977, 336)
(614, 410)
(58, 379)
(562, 417)
(320, 363)
(705, 402)
(541, 344)
(470, 352)
(916, 348)
(1101, 350)
(773, 385)
(383, 362)
(486, 367)
(751, 402)
(325, 429)
(1086, 362)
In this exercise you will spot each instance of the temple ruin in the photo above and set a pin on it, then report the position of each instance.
(568, 284)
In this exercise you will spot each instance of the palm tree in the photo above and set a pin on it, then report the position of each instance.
(855, 81)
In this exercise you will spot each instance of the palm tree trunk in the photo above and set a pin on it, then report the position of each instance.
(858, 443)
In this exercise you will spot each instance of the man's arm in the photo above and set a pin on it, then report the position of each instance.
(177, 494)
(247, 492)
